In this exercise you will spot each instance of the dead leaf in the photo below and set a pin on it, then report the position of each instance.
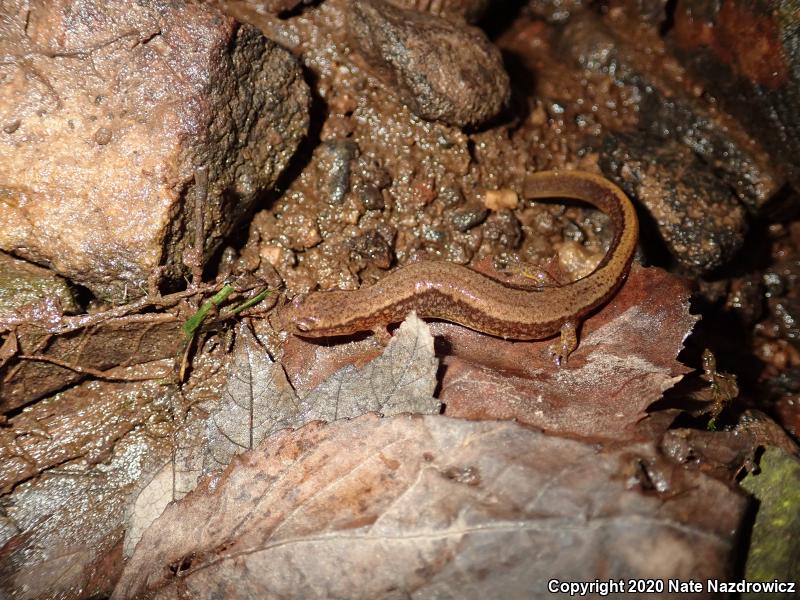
(65, 526)
(726, 454)
(402, 379)
(90, 451)
(310, 362)
(177, 477)
(82, 422)
(432, 506)
(625, 361)
(124, 341)
(258, 400)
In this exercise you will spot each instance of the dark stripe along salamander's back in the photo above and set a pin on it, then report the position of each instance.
(444, 290)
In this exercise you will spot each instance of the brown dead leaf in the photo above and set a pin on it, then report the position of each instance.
(625, 361)
(177, 477)
(310, 362)
(258, 401)
(432, 506)
(402, 379)
(82, 422)
(9, 347)
(90, 451)
(725, 454)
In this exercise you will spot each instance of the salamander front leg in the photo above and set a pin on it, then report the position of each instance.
(382, 334)
(566, 343)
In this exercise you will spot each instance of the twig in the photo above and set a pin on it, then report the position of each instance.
(73, 323)
(194, 258)
(89, 371)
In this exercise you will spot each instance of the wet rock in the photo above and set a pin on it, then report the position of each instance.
(300, 229)
(372, 197)
(373, 246)
(467, 218)
(782, 282)
(440, 69)
(555, 11)
(667, 111)
(748, 55)
(280, 6)
(451, 196)
(745, 298)
(504, 229)
(334, 164)
(787, 315)
(117, 108)
(699, 219)
(748, 171)
(469, 10)
(22, 283)
(653, 12)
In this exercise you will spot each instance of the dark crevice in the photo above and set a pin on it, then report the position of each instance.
(669, 17)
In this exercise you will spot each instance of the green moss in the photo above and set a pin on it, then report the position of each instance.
(775, 542)
(22, 283)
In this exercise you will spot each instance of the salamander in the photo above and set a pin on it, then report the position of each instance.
(451, 292)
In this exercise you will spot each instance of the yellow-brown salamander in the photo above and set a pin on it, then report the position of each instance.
(444, 290)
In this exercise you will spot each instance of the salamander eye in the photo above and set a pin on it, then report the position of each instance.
(306, 324)
(297, 301)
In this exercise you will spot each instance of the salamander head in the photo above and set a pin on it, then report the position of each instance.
(305, 315)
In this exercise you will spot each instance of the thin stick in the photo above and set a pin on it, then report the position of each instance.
(89, 371)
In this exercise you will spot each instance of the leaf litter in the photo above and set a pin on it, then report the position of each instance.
(383, 490)
(427, 505)
(258, 401)
(625, 361)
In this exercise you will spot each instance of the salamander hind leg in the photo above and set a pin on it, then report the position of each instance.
(566, 343)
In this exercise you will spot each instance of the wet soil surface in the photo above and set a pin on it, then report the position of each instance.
(425, 117)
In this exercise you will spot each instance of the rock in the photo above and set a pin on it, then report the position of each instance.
(748, 55)
(697, 215)
(555, 11)
(373, 247)
(113, 111)
(468, 10)
(335, 168)
(443, 71)
(668, 111)
(22, 283)
(655, 13)
(279, 6)
(371, 196)
(465, 219)
(504, 229)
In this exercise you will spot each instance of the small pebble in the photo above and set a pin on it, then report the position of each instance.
(499, 199)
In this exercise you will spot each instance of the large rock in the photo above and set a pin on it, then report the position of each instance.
(748, 55)
(106, 111)
(443, 71)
